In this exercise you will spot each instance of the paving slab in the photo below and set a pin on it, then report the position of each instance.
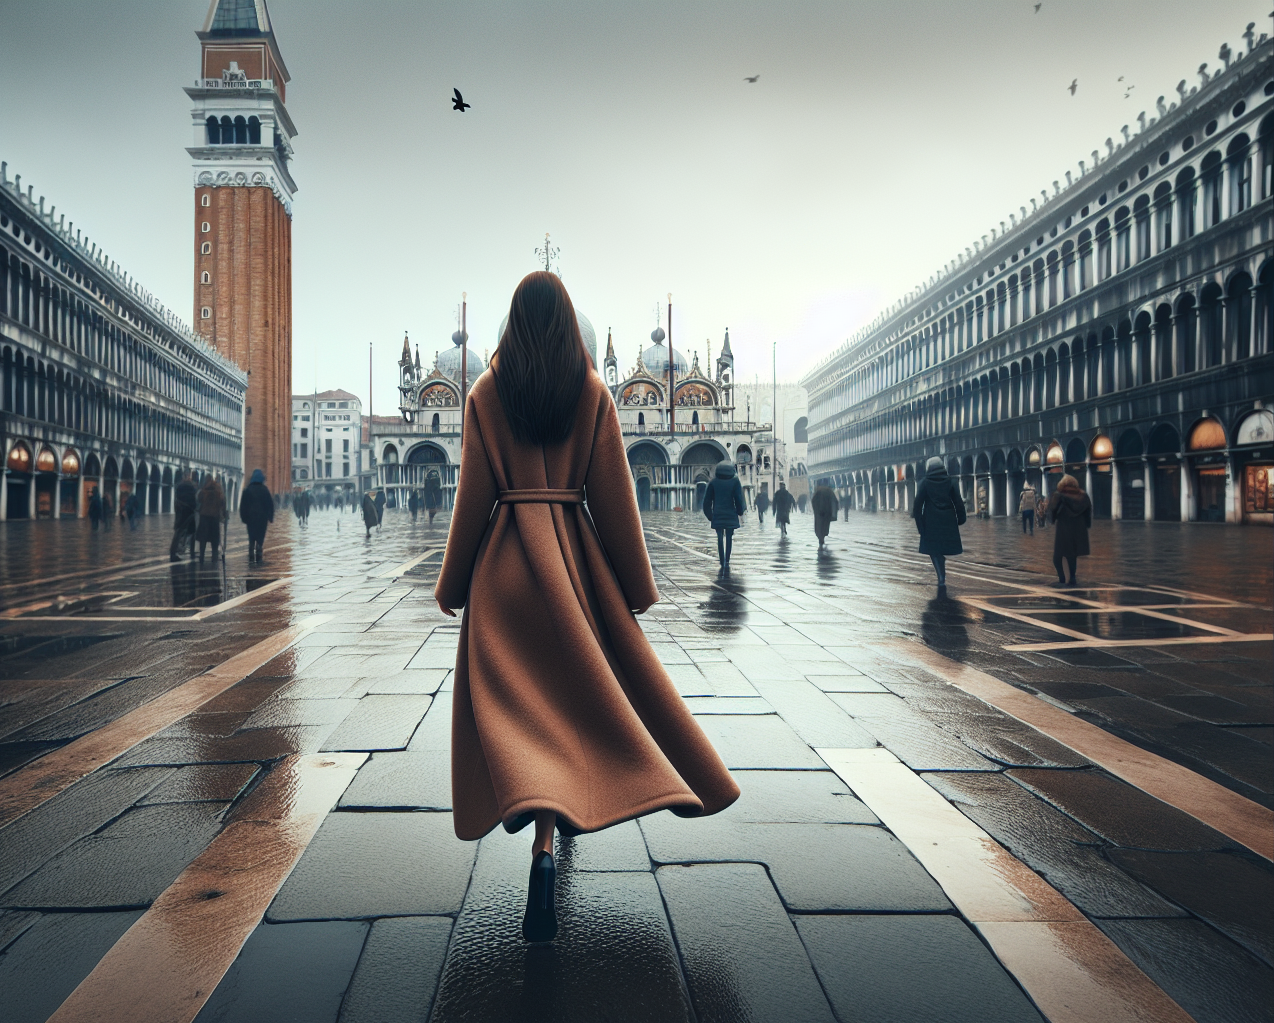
(288, 973)
(401, 781)
(48, 961)
(1062, 851)
(759, 741)
(743, 958)
(289, 713)
(614, 956)
(1232, 892)
(727, 705)
(909, 735)
(70, 815)
(422, 681)
(126, 864)
(1118, 812)
(900, 969)
(379, 723)
(397, 974)
(795, 797)
(815, 867)
(203, 783)
(1210, 977)
(619, 848)
(363, 865)
(434, 731)
(815, 718)
(254, 746)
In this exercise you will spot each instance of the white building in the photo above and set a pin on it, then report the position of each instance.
(326, 441)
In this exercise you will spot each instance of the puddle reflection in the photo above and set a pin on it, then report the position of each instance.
(943, 625)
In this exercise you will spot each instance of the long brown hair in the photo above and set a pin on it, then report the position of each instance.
(542, 361)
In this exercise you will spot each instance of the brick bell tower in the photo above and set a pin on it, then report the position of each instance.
(243, 220)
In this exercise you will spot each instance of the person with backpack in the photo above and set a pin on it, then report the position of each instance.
(723, 505)
(1026, 508)
(939, 513)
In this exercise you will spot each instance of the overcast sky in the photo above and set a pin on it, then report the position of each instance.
(880, 140)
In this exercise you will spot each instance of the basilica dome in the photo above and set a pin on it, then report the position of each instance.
(585, 329)
(449, 364)
(656, 360)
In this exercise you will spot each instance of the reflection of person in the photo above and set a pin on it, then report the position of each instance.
(562, 712)
(212, 509)
(256, 511)
(1072, 512)
(939, 513)
(723, 504)
(185, 499)
(825, 507)
(784, 502)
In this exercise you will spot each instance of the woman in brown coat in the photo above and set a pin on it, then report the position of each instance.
(212, 510)
(563, 714)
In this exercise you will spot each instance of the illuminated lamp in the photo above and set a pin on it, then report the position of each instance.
(1033, 456)
(19, 458)
(70, 462)
(1054, 456)
(48, 461)
(1101, 449)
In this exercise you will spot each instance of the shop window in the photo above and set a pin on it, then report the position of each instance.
(1258, 495)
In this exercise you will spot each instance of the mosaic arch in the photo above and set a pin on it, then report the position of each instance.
(438, 396)
(695, 395)
(641, 392)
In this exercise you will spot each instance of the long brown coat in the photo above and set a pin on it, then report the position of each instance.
(560, 702)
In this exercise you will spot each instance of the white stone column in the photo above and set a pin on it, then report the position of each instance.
(1233, 492)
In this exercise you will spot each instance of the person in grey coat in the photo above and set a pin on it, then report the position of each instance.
(939, 513)
(723, 505)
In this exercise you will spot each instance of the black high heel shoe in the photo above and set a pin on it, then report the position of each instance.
(540, 922)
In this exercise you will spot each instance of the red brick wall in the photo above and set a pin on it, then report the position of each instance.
(250, 298)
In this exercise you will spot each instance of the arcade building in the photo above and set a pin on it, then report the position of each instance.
(101, 387)
(672, 452)
(1120, 331)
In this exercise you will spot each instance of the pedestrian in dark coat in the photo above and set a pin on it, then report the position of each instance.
(413, 505)
(784, 502)
(132, 509)
(95, 508)
(108, 512)
(939, 513)
(825, 507)
(212, 510)
(433, 495)
(562, 713)
(723, 504)
(762, 504)
(256, 511)
(380, 507)
(185, 503)
(370, 515)
(1070, 510)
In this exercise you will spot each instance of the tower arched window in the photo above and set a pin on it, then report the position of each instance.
(227, 131)
(436, 425)
(214, 131)
(254, 131)
(240, 131)
(205, 278)
(1240, 162)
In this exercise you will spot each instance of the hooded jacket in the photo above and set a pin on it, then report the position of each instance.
(723, 500)
(256, 507)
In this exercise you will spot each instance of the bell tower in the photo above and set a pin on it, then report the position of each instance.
(243, 220)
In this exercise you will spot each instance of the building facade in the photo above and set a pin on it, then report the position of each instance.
(102, 387)
(671, 464)
(243, 219)
(327, 449)
(1119, 331)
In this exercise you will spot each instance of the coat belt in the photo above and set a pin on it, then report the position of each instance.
(542, 496)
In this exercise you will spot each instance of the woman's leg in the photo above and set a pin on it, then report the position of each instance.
(940, 567)
(1057, 564)
(1071, 563)
(721, 547)
(545, 822)
(729, 543)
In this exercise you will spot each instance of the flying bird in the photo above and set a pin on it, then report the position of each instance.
(1073, 86)
(458, 103)
(1038, 6)
(751, 78)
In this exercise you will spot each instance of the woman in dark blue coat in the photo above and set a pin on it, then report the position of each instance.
(723, 504)
(939, 513)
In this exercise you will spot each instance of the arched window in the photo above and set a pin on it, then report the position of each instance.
(800, 430)
(1238, 311)
(641, 418)
(227, 131)
(1210, 173)
(254, 131)
(1163, 215)
(1141, 211)
(1265, 142)
(214, 131)
(1085, 257)
(1240, 160)
(1210, 325)
(1187, 334)
(205, 278)
(436, 424)
(240, 131)
(1123, 239)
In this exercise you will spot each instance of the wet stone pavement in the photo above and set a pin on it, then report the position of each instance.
(258, 757)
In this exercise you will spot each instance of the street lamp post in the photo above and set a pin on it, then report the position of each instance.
(461, 337)
(774, 419)
(672, 383)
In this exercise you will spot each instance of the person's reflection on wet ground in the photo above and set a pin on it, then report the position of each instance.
(828, 565)
(725, 610)
(942, 625)
(185, 577)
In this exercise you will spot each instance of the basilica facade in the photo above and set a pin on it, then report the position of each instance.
(672, 448)
(1119, 331)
